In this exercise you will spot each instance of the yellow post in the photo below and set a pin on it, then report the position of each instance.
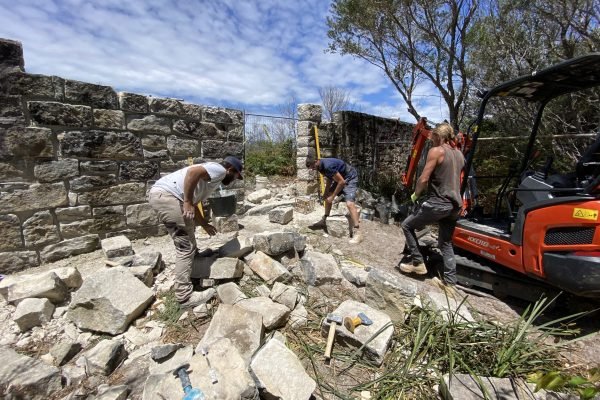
(322, 184)
(191, 162)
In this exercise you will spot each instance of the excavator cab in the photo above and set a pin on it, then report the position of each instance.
(544, 224)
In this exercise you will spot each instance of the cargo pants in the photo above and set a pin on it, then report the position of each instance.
(170, 213)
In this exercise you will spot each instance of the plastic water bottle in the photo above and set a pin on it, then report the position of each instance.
(190, 393)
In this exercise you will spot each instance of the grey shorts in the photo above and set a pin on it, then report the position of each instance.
(349, 191)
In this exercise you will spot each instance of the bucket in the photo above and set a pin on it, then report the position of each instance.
(223, 204)
(261, 182)
(366, 213)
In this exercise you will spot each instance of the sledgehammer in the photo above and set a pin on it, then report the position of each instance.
(333, 320)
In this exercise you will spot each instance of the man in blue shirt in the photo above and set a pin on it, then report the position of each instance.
(341, 178)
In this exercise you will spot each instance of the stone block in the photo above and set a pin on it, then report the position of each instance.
(37, 196)
(181, 356)
(374, 349)
(198, 130)
(230, 293)
(274, 315)
(109, 119)
(104, 357)
(275, 243)
(33, 312)
(216, 149)
(45, 286)
(310, 112)
(225, 116)
(154, 142)
(119, 194)
(165, 106)
(264, 209)
(227, 224)
(108, 210)
(39, 381)
(40, 230)
(156, 155)
(14, 171)
(98, 96)
(338, 226)
(183, 147)
(89, 182)
(390, 293)
(71, 247)
(267, 268)
(133, 102)
(52, 171)
(298, 317)
(448, 307)
(116, 246)
(11, 112)
(280, 374)
(140, 215)
(354, 273)
(106, 392)
(281, 215)
(16, 261)
(149, 123)
(258, 196)
(10, 227)
(306, 174)
(224, 268)
(138, 170)
(319, 269)
(98, 167)
(306, 187)
(39, 143)
(59, 114)
(284, 294)
(101, 144)
(239, 246)
(32, 85)
(305, 128)
(193, 111)
(11, 54)
(468, 387)
(306, 141)
(109, 300)
(63, 352)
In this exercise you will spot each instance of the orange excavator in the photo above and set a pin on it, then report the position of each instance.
(544, 229)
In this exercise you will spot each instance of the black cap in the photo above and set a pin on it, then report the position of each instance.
(236, 164)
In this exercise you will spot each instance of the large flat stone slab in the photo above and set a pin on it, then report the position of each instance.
(217, 268)
(275, 243)
(26, 377)
(48, 286)
(274, 315)
(467, 387)
(267, 268)
(448, 307)
(390, 293)
(318, 269)
(376, 348)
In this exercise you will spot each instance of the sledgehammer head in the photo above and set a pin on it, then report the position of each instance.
(334, 318)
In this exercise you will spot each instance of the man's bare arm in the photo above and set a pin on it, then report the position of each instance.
(434, 157)
(192, 177)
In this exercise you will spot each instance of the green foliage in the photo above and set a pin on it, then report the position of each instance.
(171, 312)
(586, 387)
(270, 158)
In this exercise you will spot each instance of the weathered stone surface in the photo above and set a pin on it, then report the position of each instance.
(267, 268)
(310, 112)
(239, 246)
(133, 102)
(338, 227)
(116, 246)
(141, 215)
(97, 96)
(319, 269)
(71, 214)
(156, 155)
(375, 349)
(101, 144)
(244, 328)
(354, 273)
(275, 243)
(222, 115)
(390, 293)
(274, 315)
(15, 261)
(284, 294)
(153, 142)
(103, 358)
(63, 352)
(305, 128)
(226, 224)
(218, 149)
(95, 167)
(71, 247)
(165, 106)
(108, 210)
(39, 143)
(11, 232)
(69, 275)
(279, 373)
(448, 307)
(152, 258)
(165, 351)
(281, 215)
(108, 301)
(102, 224)
(198, 130)
(226, 268)
(33, 312)
(9, 172)
(11, 54)
(112, 392)
(119, 194)
(149, 123)
(264, 209)
(53, 113)
(183, 147)
(56, 170)
(306, 187)
(298, 317)
(467, 387)
(138, 170)
(109, 119)
(182, 356)
(38, 382)
(259, 195)
(305, 174)
(32, 85)
(48, 286)
(230, 293)
(39, 230)
(89, 182)
(37, 196)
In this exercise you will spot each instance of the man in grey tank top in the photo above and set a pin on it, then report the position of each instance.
(439, 185)
(175, 198)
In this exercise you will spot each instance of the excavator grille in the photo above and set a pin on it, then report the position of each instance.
(566, 236)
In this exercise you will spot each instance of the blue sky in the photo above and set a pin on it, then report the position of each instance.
(247, 54)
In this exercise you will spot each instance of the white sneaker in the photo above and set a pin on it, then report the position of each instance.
(357, 238)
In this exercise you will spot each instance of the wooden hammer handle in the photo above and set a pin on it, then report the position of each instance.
(330, 338)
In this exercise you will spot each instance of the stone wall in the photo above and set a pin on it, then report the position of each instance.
(369, 143)
(77, 159)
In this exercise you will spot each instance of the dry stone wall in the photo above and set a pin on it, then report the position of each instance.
(371, 144)
(77, 159)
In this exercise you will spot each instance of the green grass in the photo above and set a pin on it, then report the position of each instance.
(270, 158)
(171, 312)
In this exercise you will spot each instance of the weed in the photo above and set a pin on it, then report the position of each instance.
(171, 311)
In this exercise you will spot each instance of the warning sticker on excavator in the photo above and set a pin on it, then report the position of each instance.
(585, 213)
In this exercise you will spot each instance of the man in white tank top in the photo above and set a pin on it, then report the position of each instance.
(175, 198)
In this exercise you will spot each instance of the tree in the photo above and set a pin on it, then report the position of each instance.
(334, 99)
(411, 41)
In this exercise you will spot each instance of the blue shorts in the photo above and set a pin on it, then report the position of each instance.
(349, 191)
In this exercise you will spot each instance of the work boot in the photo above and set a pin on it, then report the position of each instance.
(450, 290)
(322, 224)
(356, 238)
(194, 300)
(419, 269)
